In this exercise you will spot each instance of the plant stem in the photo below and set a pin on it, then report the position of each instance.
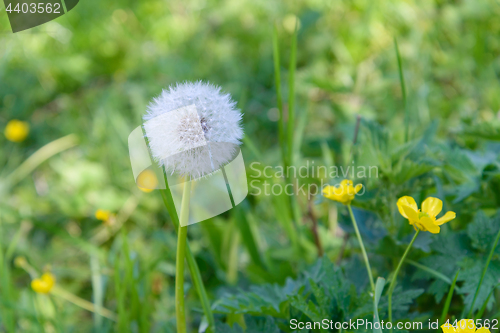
(360, 240)
(291, 96)
(181, 254)
(448, 299)
(192, 265)
(482, 275)
(395, 276)
(403, 91)
(279, 99)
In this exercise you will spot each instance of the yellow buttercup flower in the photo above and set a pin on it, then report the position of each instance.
(344, 193)
(424, 219)
(44, 284)
(16, 130)
(147, 181)
(103, 215)
(464, 326)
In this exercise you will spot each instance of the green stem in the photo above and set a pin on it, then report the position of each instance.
(181, 254)
(291, 96)
(360, 240)
(403, 91)
(395, 276)
(448, 299)
(482, 275)
(279, 100)
(192, 265)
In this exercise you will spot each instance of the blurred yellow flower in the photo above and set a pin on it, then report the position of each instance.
(147, 181)
(464, 326)
(44, 284)
(424, 219)
(344, 193)
(16, 130)
(103, 215)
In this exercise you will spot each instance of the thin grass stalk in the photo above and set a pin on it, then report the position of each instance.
(395, 276)
(430, 271)
(446, 307)
(291, 95)
(485, 304)
(482, 275)
(180, 311)
(363, 251)
(403, 91)
(279, 96)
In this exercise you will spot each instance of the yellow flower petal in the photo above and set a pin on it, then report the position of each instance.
(429, 225)
(102, 215)
(448, 328)
(408, 212)
(466, 326)
(345, 183)
(432, 206)
(446, 218)
(483, 330)
(44, 284)
(358, 188)
(49, 279)
(406, 201)
(16, 130)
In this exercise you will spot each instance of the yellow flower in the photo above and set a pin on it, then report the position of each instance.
(16, 130)
(464, 326)
(425, 220)
(147, 181)
(44, 284)
(344, 193)
(102, 215)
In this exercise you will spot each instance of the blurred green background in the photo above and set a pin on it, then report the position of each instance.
(93, 71)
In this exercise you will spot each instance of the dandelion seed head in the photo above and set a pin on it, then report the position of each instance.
(193, 128)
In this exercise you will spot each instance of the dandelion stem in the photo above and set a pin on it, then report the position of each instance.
(360, 240)
(181, 254)
(192, 265)
(395, 276)
(482, 275)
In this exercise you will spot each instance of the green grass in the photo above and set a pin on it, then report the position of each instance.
(428, 105)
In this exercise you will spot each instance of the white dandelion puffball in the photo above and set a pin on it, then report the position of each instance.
(193, 128)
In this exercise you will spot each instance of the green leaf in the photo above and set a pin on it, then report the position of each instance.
(480, 231)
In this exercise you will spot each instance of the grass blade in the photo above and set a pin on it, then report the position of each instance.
(279, 96)
(403, 91)
(484, 273)
(291, 96)
(430, 271)
(483, 308)
(448, 299)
